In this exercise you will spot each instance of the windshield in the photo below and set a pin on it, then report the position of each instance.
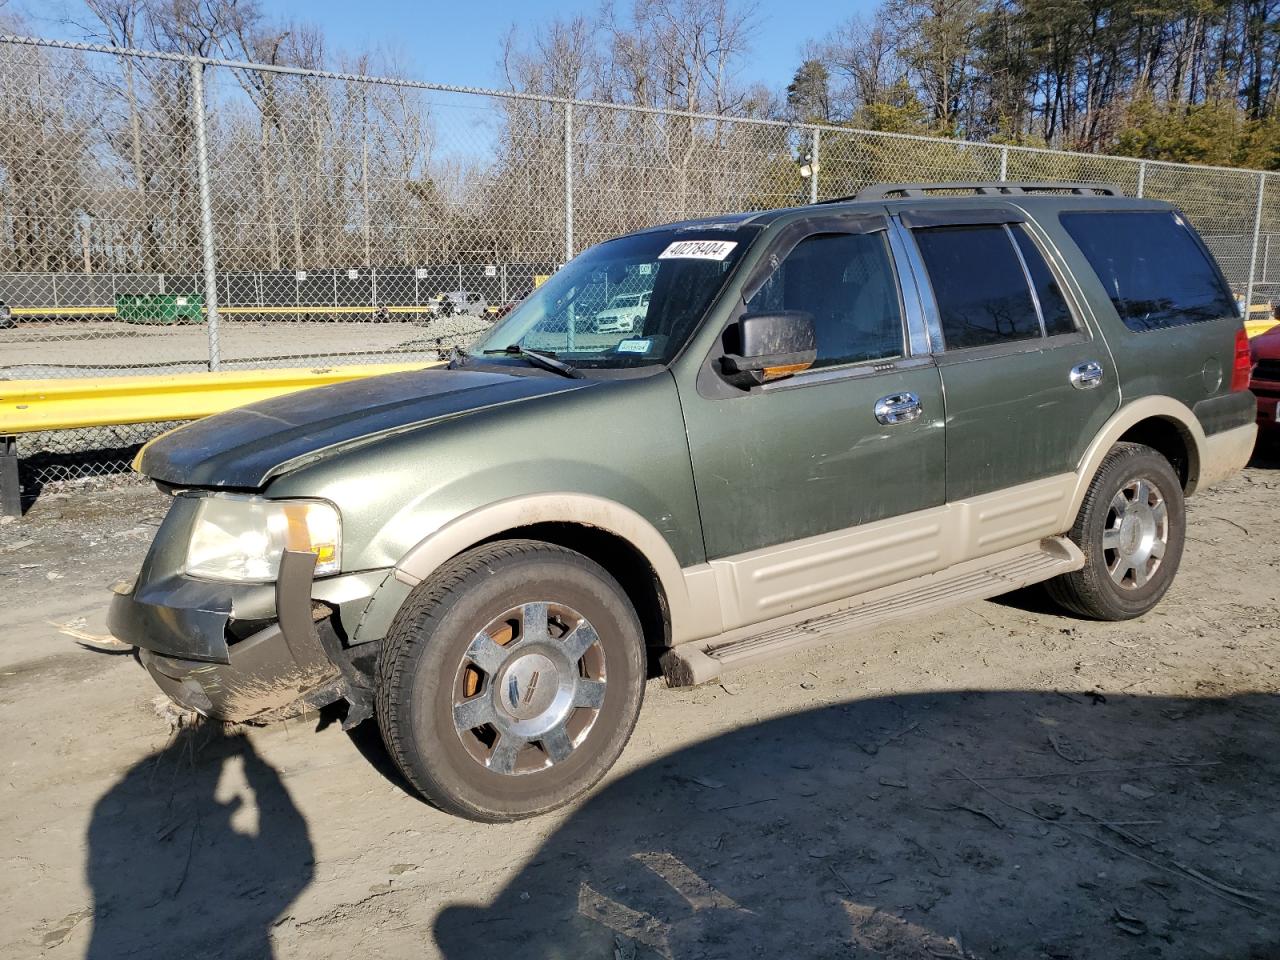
(627, 302)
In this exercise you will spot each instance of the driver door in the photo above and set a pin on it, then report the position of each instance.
(787, 473)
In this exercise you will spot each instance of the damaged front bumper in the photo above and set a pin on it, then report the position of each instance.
(291, 659)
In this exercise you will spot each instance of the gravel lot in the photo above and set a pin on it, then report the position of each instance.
(98, 347)
(1000, 781)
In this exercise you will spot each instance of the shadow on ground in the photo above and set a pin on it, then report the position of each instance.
(995, 824)
(1266, 454)
(195, 852)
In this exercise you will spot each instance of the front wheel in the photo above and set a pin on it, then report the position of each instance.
(1131, 527)
(511, 680)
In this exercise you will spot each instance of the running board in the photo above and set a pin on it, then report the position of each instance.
(703, 660)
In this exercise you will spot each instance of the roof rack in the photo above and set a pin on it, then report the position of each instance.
(890, 191)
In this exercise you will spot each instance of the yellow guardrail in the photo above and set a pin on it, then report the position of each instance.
(61, 311)
(65, 404)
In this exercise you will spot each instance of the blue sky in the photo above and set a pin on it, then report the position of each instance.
(458, 42)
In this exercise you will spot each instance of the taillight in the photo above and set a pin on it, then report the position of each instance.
(1243, 365)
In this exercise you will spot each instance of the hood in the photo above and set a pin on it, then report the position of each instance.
(245, 447)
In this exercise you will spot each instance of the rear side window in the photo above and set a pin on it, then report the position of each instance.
(979, 285)
(1152, 266)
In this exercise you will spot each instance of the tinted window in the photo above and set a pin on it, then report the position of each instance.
(979, 285)
(1053, 305)
(1152, 266)
(846, 281)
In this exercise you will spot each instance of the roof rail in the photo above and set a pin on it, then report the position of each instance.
(890, 191)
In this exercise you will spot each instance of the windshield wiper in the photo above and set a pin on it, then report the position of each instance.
(540, 358)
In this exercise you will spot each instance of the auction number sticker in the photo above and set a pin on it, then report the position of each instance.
(633, 346)
(698, 250)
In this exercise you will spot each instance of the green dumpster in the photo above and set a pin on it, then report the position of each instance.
(160, 307)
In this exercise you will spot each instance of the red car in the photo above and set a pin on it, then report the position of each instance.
(1265, 381)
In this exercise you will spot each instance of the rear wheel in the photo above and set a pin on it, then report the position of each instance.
(511, 680)
(1131, 527)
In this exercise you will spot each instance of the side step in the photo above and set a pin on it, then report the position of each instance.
(703, 660)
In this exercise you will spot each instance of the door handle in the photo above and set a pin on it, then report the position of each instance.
(1085, 376)
(898, 408)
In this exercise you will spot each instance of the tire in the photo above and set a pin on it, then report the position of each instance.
(458, 653)
(1114, 583)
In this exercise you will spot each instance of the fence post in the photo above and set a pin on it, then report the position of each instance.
(1253, 254)
(206, 213)
(568, 182)
(813, 165)
(1142, 177)
(1004, 164)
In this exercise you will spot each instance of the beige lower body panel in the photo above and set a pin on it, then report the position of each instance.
(772, 582)
(977, 579)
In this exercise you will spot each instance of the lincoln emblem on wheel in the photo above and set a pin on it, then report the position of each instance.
(693, 448)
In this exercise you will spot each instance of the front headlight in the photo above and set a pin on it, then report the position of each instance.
(242, 538)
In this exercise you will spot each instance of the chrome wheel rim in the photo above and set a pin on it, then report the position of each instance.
(529, 688)
(1136, 534)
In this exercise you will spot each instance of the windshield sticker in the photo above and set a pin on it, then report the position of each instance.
(698, 250)
(634, 346)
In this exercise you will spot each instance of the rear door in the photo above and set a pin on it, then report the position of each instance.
(1027, 383)
(1178, 319)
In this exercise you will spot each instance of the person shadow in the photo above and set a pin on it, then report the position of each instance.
(199, 846)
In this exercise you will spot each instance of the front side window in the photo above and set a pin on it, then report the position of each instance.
(628, 302)
(1152, 266)
(846, 282)
(979, 285)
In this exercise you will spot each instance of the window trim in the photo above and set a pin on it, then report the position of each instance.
(923, 328)
(988, 351)
(925, 217)
(862, 369)
(1026, 275)
(1062, 278)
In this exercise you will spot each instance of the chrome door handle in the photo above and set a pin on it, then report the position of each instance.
(898, 408)
(1085, 376)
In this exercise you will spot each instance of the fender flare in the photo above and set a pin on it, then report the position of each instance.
(1129, 415)
(491, 520)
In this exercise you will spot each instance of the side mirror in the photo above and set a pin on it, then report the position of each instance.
(771, 346)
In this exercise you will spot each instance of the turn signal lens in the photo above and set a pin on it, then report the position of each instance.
(784, 370)
(1242, 368)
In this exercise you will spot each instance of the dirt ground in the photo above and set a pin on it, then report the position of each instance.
(997, 782)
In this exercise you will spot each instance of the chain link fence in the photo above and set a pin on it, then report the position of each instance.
(160, 213)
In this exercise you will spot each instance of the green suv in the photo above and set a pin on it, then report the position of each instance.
(827, 418)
